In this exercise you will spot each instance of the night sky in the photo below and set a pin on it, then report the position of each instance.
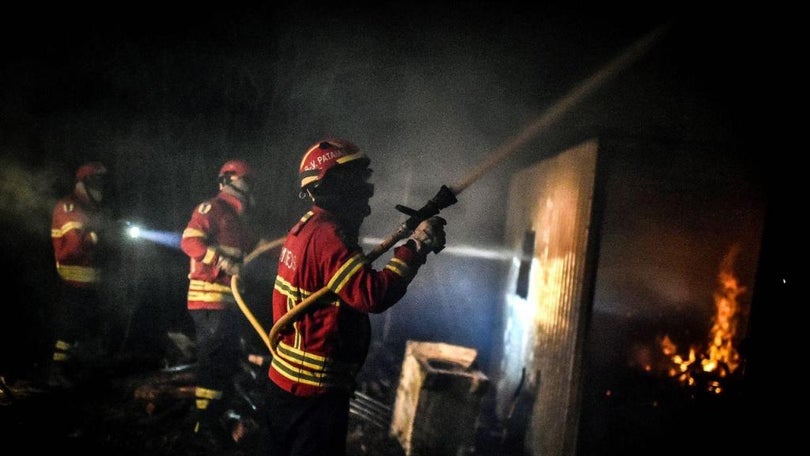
(165, 96)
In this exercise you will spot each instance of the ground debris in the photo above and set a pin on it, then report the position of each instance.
(147, 413)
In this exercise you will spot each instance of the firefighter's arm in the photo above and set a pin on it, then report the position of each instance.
(196, 240)
(71, 239)
(195, 244)
(357, 283)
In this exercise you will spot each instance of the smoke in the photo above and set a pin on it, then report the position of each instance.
(669, 223)
(27, 194)
(426, 100)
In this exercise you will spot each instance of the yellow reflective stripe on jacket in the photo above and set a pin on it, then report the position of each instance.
(294, 296)
(78, 273)
(210, 254)
(301, 357)
(202, 291)
(399, 267)
(59, 232)
(290, 291)
(202, 285)
(297, 374)
(311, 360)
(191, 232)
(346, 272)
(298, 340)
(206, 393)
(61, 356)
(300, 374)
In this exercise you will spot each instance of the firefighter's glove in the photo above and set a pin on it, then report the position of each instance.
(91, 237)
(229, 265)
(429, 235)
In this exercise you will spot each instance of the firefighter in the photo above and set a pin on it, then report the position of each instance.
(77, 231)
(216, 239)
(317, 358)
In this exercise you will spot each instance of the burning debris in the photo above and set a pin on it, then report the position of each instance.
(706, 365)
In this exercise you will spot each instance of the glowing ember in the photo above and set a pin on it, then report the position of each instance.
(720, 358)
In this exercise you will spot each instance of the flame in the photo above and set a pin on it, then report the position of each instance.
(720, 358)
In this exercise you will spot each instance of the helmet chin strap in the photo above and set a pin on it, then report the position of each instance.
(243, 194)
(92, 195)
(95, 195)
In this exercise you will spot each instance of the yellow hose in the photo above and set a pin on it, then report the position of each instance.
(260, 249)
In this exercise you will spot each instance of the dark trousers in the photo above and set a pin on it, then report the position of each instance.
(219, 355)
(304, 426)
(78, 335)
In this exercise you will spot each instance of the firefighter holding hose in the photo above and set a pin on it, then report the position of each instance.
(317, 358)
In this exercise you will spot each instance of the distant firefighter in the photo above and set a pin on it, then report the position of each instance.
(77, 232)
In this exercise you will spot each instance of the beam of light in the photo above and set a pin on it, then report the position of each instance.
(468, 251)
(166, 238)
(137, 232)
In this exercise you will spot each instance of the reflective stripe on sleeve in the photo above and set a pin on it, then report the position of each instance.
(399, 267)
(342, 276)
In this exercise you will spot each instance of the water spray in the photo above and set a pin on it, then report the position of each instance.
(447, 194)
(463, 250)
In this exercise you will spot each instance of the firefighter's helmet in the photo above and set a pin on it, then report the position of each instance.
(238, 168)
(90, 170)
(326, 155)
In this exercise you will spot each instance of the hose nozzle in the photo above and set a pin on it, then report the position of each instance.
(444, 198)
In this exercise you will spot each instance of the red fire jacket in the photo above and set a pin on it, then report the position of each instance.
(327, 346)
(73, 235)
(216, 228)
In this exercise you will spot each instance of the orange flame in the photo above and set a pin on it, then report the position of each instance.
(721, 358)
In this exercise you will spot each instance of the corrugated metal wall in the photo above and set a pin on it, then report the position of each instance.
(543, 332)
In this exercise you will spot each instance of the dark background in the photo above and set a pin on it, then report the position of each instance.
(164, 95)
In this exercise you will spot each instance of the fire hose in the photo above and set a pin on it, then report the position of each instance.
(264, 246)
(447, 195)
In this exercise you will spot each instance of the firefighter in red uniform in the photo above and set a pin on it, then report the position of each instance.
(76, 227)
(216, 239)
(318, 357)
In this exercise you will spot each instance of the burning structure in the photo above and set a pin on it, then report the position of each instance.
(560, 364)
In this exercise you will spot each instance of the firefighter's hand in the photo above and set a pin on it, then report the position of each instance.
(91, 237)
(429, 235)
(229, 265)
